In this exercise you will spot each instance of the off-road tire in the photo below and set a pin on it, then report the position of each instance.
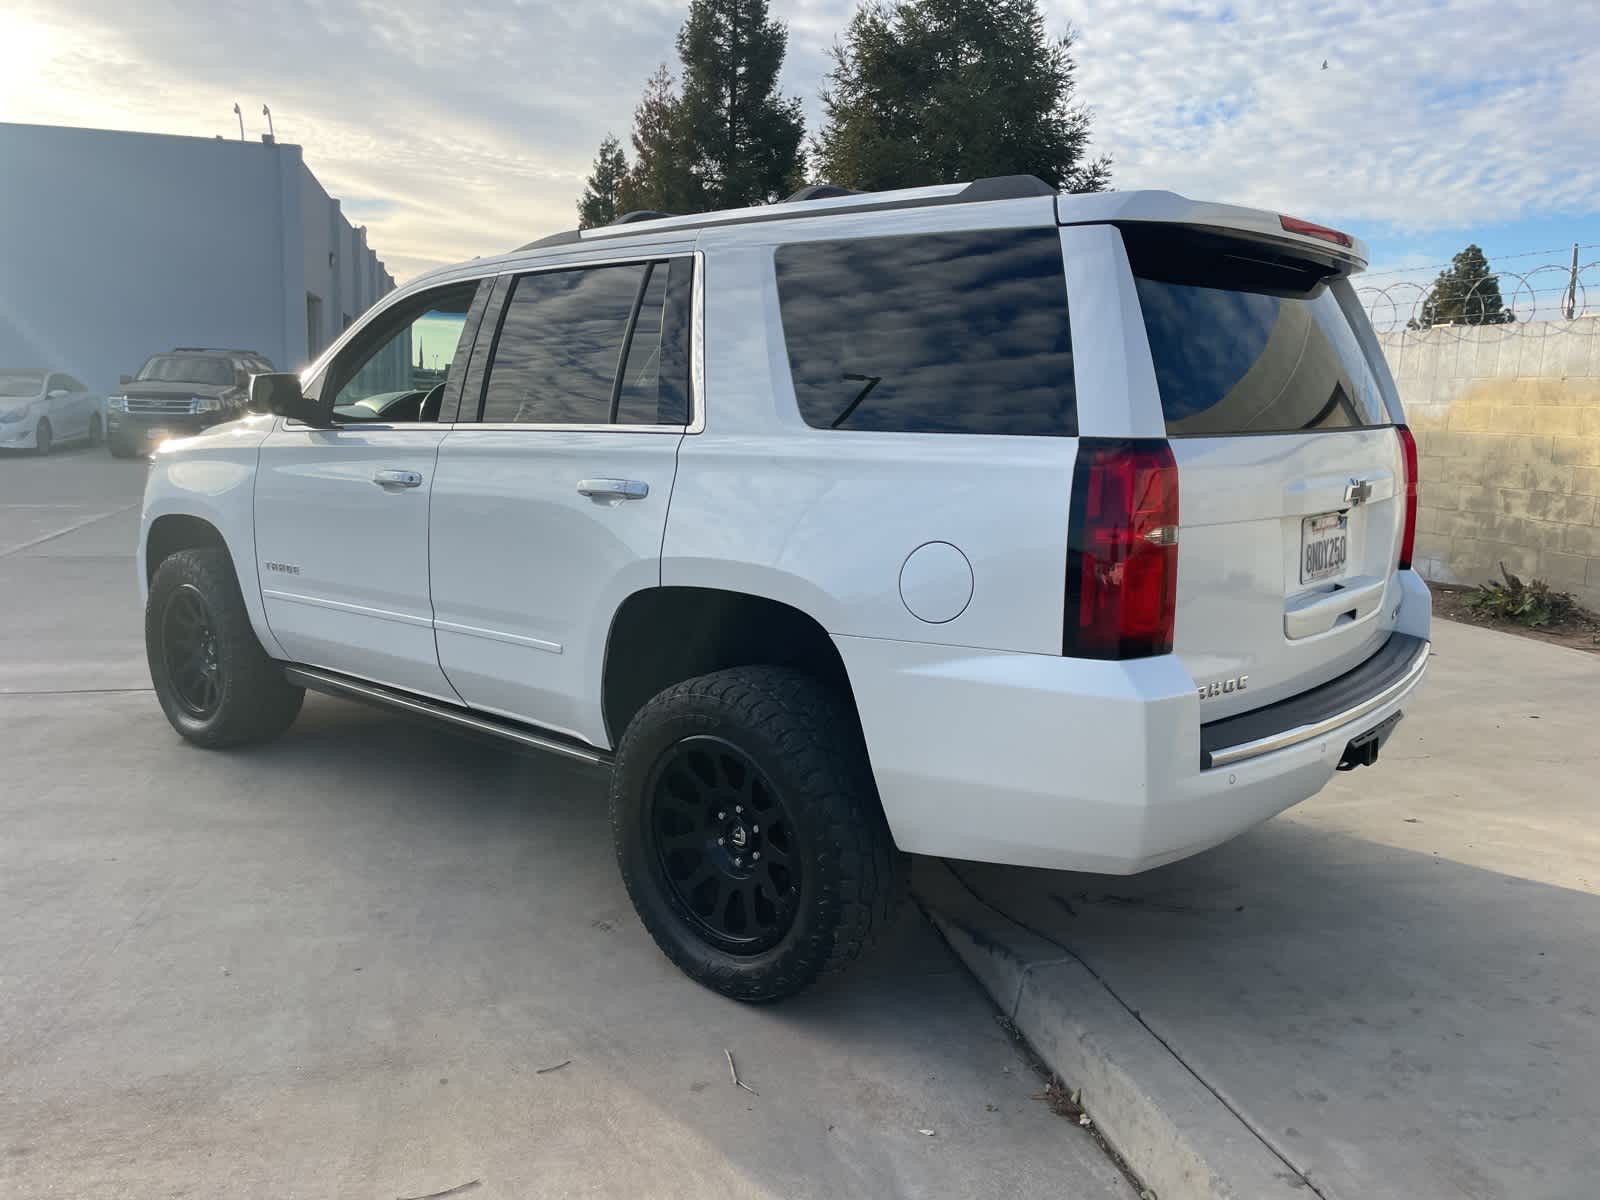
(96, 430)
(255, 703)
(119, 447)
(805, 740)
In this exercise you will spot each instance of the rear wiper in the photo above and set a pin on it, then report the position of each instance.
(871, 381)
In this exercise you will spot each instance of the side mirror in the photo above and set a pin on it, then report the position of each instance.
(57, 393)
(279, 394)
(126, 379)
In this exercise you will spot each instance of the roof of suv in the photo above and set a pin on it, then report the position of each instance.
(1072, 208)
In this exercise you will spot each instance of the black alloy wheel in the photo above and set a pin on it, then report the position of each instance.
(749, 833)
(724, 844)
(189, 645)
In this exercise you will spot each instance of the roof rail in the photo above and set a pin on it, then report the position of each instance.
(820, 191)
(1002, 187)
(565, 237)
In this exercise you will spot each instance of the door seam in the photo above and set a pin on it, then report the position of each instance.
(433, 615)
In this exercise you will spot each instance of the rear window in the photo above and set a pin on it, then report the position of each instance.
(933, 333)
(1245, 345)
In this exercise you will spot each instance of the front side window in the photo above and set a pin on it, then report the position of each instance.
(396, 368)
(930, 333)
(593, 346)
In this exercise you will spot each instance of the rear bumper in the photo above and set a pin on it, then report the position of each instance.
(1069, 764)
(1390, 673)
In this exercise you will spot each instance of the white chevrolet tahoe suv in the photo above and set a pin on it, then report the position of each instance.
(1062, 530)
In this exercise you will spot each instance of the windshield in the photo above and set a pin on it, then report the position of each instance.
(186, 368)
(20, 383)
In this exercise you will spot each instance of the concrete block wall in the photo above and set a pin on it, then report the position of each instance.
(1507, 420)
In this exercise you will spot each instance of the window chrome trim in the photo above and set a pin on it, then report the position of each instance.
(533, 427)
(697, 347)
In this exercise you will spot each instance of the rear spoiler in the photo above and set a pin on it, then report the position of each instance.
(1342, 251)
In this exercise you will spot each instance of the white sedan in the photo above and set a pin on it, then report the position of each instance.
(41, 408)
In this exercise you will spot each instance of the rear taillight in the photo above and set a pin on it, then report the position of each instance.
(1312, 229)
(1408, 456)
(1122, 550)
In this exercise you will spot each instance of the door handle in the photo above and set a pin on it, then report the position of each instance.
(614, 489)
(389, 477)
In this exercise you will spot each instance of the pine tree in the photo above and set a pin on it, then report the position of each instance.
(937, 91)
(598, 205)
(1466, 293)
(743, 137)
(660, 179)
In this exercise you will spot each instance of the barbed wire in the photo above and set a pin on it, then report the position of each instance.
(1445, 266)
(1545, 299)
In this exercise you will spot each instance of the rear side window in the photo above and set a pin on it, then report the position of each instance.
(654, 388)
(931, 333)
(561, 338)
(1242, 345)
(594, 346)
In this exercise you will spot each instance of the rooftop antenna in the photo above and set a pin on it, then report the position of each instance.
(267, 113)
(240, 115)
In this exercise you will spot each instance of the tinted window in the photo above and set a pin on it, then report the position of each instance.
(934, 333)
(1241, 349)
(655, 379)
(67, 381)
(555, 360)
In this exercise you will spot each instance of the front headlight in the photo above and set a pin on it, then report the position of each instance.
(117, 403)
(15, 415)
(207, 403)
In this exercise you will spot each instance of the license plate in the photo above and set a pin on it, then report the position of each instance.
(156, 436)
(1324, 546)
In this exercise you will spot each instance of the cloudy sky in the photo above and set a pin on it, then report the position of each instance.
(460, 127)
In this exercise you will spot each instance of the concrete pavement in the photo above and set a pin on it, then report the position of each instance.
(1391, 990)
(336, 965)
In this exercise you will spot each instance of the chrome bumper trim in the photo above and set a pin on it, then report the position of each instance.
(1232, 755)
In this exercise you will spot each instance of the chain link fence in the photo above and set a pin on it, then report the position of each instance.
(1540, 301)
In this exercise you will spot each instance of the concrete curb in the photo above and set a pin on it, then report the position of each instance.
(1174, 1133)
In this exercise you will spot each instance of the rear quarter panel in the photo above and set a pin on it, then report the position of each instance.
(825, 521)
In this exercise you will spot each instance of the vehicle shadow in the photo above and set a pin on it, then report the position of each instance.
(1393, 1022)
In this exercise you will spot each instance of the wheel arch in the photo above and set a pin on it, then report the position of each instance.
(172, 532)
(663, 635)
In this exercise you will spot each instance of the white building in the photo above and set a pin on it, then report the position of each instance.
(115, 246)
